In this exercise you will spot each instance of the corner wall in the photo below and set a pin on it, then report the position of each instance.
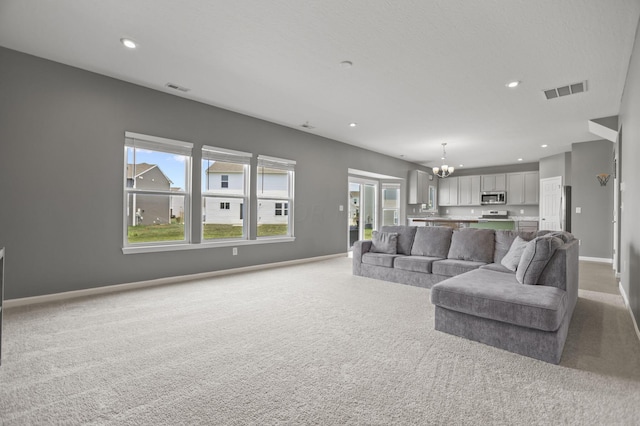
(593, 226)
(629, 121)
(61, 169)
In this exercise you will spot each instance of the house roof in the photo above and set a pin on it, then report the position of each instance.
(142, 168)
(222, 167)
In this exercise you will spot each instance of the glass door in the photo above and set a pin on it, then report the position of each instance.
(362, 209)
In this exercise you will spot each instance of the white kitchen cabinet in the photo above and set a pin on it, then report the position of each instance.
(448, 191)
(497, 182)
(418, 186)
(422, 189)
(523, 188)
(469, 190)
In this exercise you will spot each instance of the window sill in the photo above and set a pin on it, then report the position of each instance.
(205, 245)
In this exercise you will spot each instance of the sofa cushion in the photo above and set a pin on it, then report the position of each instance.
(452, 267)
(379, 259)
(498, 296)
(504, 239)
(472, 244)
(415, 263)
(512, 258)
(384, 242)
(433, 241)
(535, 257)
(405, 237)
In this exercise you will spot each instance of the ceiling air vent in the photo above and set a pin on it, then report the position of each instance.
(570, 89)
(176, 87)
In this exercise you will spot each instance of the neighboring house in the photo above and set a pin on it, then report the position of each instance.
(228, 178)
(224, 177)
(177, 206)
(148, 209)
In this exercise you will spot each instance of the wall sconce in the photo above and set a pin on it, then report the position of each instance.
(603, 178)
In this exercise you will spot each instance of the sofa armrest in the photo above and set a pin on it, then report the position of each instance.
(360, 247)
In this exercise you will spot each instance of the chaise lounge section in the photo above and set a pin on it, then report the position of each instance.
(514, 291)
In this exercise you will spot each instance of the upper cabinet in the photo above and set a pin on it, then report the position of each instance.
(448, 191)
(469, 190)
(422, 189)
(496, 182)
(523, 188)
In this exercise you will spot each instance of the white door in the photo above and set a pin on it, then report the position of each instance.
(551, 203)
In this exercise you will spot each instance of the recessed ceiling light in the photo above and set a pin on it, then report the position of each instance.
(544, 146)
(128, 43)
(353, 124)
(513, 84)
(519, 159)
(461, 165)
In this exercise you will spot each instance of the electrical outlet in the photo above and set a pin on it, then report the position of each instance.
(341, 208)
(521, 211)
(472, 211)
(578, 210)
(235, 251)
(447, 211)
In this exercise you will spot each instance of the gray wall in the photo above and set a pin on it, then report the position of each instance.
(594, 225)
(557, 165)
(64, 232)
(629, 120)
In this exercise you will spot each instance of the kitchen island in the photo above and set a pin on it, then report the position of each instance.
(512, 223)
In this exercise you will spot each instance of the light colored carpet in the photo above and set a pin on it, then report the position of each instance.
(306, 344)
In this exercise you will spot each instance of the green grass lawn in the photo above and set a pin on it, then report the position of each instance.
(175, 232)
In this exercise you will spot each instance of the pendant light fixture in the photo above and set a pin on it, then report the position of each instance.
(444, 170)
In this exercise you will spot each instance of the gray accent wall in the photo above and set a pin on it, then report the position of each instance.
(556, 165)
(593, 226)
(629, 120)
(61, 178)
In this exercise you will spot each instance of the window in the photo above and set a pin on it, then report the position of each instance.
(282, 209)
(225, 184)
(390, 204)
(275, 187)
(156, 190)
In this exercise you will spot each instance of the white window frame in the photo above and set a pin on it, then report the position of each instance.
(168, 146)
(229, 156)
(281, 164)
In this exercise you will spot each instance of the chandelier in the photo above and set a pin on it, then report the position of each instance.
(444, 170)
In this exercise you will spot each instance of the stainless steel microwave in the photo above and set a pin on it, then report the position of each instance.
(493, 197)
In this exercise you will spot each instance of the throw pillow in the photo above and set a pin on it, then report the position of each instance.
(384, 242)
(512, 258)
(535, 257)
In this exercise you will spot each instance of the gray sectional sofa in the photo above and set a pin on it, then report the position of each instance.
(515, 291)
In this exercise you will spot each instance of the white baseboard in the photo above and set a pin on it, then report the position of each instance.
(11, 303)
(626, 303)
(596, 259)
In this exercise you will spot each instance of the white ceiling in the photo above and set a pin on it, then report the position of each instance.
(424, 72)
